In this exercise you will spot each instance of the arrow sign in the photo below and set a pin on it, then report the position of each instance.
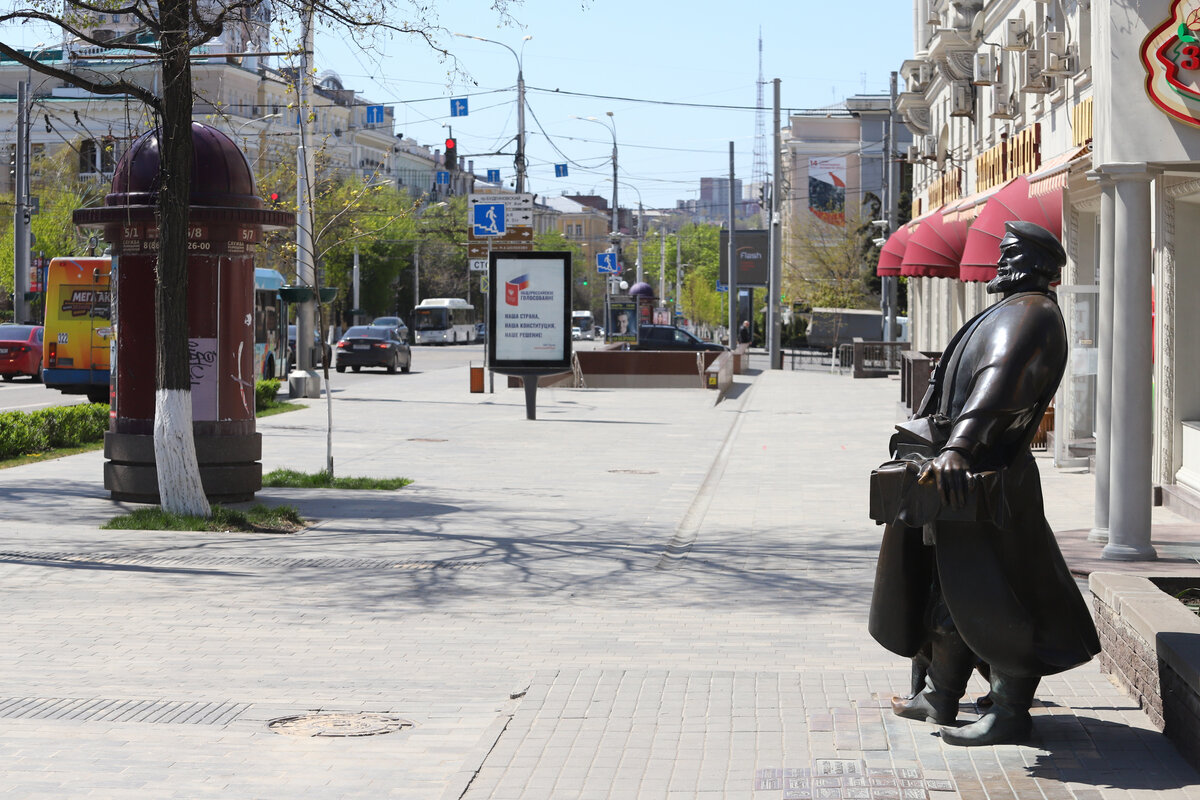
(560, 170)
(458, 107)
(443, 177)
(493, 176)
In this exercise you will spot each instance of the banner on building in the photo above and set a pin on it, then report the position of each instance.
(827, 189)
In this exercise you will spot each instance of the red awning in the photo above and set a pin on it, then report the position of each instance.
(935, 247)
(892, 254)
(1013, 202)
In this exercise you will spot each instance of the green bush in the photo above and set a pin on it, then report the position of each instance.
(61, 426)
(265, 393)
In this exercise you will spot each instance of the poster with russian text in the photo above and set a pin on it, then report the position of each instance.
(531, 302)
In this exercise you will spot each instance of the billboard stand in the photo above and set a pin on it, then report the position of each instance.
(531, 326)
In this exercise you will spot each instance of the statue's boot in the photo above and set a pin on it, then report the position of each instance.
(928, 705)
(946, 663)
(1007, 721)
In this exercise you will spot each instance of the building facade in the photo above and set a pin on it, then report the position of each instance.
(1085, 118)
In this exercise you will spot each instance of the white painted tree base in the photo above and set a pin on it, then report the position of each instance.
(179, 487)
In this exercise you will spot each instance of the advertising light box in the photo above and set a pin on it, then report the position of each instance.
(530, 312)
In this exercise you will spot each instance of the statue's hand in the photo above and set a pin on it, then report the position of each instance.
(949, 469)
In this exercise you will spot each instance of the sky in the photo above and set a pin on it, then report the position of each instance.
(633, 58)
(679, 78)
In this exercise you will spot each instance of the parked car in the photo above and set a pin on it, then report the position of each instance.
(668, 337)
(480, 332)
(392, 322)
(21, 351)
(323, 350)
(373, 346)
(576, 334)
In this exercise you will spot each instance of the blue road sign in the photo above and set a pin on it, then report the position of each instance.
(606, 262)
(560, 170)
(458, 106)
(722, 287)
(443, 177)
(374, 115)
(489, 219)
(493, 176)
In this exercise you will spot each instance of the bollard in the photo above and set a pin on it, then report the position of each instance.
(476, 379)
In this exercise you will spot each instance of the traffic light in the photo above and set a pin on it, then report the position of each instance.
(273, 198)
(451, 154)
(585, 280)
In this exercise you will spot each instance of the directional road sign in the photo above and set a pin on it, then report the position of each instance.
(518, 208)
(443, 177)
(722, 287)
(560, 170)
(488, 219)
(606, 262)
(477, 264)
(458, 106)
(493, 176)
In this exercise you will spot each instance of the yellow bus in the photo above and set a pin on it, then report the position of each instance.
(75, 352)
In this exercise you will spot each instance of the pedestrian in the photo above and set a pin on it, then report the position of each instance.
(744, 335)
(987, 591)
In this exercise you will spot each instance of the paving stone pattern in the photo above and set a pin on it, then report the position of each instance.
(518, 606)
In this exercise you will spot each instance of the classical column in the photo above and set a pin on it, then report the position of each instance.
(1132, 429)
(1108, 224)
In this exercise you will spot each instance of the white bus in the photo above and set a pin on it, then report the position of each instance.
(585, 322)
(443, 320)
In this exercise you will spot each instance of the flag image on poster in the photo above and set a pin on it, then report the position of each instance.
(827, 189)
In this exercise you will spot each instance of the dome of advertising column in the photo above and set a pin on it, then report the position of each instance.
(641, 290)
(220, 174)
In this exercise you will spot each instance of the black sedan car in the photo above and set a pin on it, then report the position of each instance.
(373, 346)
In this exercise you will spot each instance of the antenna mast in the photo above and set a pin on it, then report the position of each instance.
(758, 175)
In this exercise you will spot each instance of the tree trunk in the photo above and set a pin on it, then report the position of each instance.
(179, 487)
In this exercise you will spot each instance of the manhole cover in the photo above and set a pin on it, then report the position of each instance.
(635, 471)
(364, 724)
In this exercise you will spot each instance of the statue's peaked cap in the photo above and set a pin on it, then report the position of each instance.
(1044, 239)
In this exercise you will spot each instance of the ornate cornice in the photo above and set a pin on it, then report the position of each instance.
(915, 110)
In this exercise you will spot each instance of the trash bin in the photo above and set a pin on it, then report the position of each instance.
(476, 379)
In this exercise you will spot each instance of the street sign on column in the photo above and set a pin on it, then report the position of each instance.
(606, 262)
(518, 208)
(488, 219)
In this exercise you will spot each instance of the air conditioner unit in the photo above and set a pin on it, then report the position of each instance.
(1056, 43)
(914, 154)
(929, 146)
(985, 69)
(1059, 66)
(1004, 108)
(1035, 81)
(1016, 34)
(924, 74)
(962, 102)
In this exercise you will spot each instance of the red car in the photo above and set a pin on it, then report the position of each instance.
(21, 351)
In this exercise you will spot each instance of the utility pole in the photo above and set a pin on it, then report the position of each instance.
(520, 124)
(21, 242)
(662, 266)
(733, 267)
(304, 382)
(678, 274)
(892, 183)
(775, 346)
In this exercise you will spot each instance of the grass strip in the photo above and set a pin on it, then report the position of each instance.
(49, 454)
(257, 519)
(278, 408)
(291, 479)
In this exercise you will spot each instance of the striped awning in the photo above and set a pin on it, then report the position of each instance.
(891, 256)
(1053, 174)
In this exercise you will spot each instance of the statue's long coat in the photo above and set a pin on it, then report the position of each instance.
(1007, 588)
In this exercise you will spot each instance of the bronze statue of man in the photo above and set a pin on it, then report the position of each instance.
(987, 592)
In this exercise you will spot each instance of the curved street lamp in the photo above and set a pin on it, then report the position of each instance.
(520, 159)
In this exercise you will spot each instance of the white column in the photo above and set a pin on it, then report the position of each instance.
(1132, 430)
(1104, 366)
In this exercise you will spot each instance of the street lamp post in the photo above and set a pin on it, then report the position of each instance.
(611, 127)
(21, 219)
(520, 159)
(640, 233)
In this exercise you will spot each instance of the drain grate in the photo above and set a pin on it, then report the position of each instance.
(98, 709)
(230, 561)
(339, 724)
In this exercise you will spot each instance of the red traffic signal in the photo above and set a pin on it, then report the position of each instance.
(451, 154)
(273, 198)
